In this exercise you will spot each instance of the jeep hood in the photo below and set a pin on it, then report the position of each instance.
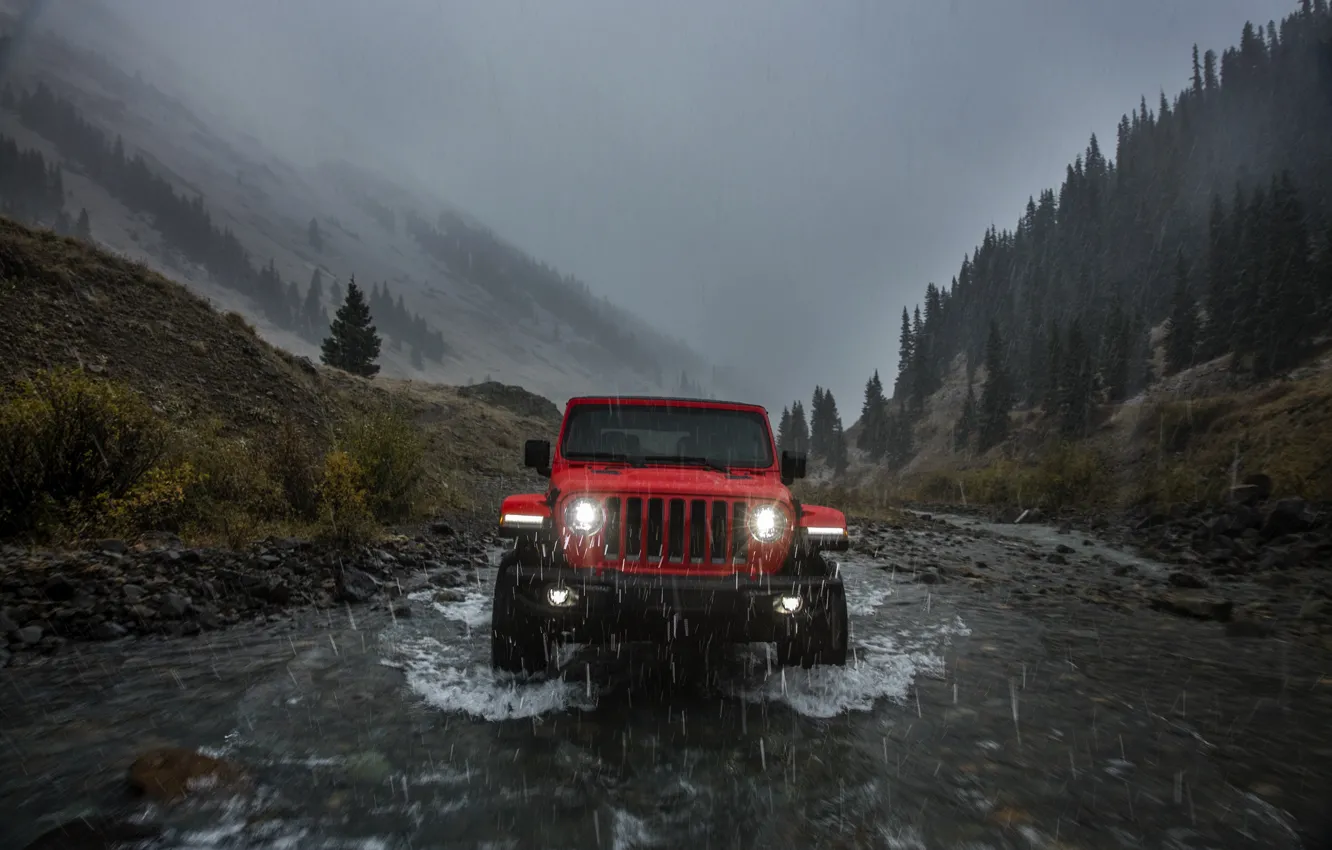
(669, 481)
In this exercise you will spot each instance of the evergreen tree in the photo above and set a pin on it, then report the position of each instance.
(1054, 360)
(996, 395)
(799, 429)
(819, 426)
(1181, 330)
(313, 316)
(417, 363)
(905, 353)
(784, 431)
(83, 226)
(838, 459)
(353, 343)
(1076, 384)
(873, 419)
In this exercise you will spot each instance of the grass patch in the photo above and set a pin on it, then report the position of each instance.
(87, 456)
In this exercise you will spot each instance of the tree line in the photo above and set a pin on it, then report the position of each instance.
(185, 224)
(1213, 219)
(820, 435)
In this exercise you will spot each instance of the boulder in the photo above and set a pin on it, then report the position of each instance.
(173, 773)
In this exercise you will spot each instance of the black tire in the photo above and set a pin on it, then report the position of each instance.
(517, 645)
(824, 637)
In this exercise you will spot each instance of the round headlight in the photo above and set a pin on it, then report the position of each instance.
(583, 516)
(767, 523)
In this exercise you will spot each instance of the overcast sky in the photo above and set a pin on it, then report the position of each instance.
(770, 179)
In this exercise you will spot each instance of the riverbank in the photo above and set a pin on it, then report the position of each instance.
(1260, 570)
(158, 586)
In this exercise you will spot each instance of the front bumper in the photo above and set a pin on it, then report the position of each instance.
(634, 606)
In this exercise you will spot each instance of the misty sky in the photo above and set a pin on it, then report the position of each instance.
(810, 166)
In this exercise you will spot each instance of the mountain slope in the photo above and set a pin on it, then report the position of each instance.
(1202, 253)
(508, 317)
(64, 304)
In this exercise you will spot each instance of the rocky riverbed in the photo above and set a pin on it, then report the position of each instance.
(156, 585)
(1263, 567)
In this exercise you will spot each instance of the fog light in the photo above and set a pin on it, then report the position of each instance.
(561, 597)
(788, 604)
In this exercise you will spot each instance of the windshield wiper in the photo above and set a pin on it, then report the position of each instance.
(715, 465)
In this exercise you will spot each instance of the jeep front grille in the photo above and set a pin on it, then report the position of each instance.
(676, 530)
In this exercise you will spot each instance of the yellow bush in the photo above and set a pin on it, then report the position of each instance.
(342, 499)
(71, 445)
(1069, 475)
(389, 451)
(160, 501)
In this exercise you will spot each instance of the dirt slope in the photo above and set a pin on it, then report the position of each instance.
(64, 303)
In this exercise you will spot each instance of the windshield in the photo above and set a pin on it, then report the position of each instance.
(667, 434)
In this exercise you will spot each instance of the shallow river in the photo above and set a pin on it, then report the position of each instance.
(962, 721)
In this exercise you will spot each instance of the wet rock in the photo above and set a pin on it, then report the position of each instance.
(133, 593)
(7, 624)
(29, 635)
(173, 773)
(1064, 550)
(106, 630)
(59, 589)
(445, 577)
(449, 595)
(401, 608)
(173, 607)
(96, 834)
(1191, 604)
(1057, 559)
(353, 585)
(1186, 581)
(1288, 516)
(442, 529)
(112, 546)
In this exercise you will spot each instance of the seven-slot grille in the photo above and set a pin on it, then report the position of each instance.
(676, 530)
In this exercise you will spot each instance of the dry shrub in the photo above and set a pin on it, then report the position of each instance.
(388, 451)
(70, 447)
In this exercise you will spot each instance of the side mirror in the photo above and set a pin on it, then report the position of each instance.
(793, 466)
(536, 455)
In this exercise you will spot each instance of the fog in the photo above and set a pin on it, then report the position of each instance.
(771, 181)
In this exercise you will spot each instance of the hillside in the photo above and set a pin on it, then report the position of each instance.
(166, 180)
(1192, 272)
(64, 304)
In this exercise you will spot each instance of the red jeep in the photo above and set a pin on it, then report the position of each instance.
(667, 518)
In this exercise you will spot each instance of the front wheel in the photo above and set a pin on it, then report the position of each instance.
(823, 638)
(517, 644)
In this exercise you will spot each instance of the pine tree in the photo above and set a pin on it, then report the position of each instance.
(996, 395)
(838, 459)
(784, 431)
(818, 425)
(1181, 330)
(1054, 361)
(83, 226)
(1075, 385)
(313, 316)
(353, 343)
(905, 354)
(799, 429)
(873, 413)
